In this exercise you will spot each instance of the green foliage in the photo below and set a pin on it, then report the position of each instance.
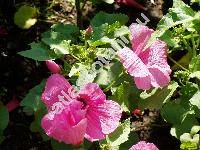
(119, 136)
(25, 17)
(156, 98)
(32, 100)
(102, 18)
(4, 117)
(54, 43)
(180, 13)
(38, 51)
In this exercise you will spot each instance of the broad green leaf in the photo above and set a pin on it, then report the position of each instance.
(195, 64)
(185, 126)
(157, 97)
(119, 136)
(121, 96)
(195, 100)
(25, 17)
(38, 51)
(180, 13)
(33, 99)
(174, 113)
(186, 93)
(65, 29)
(102, 18)
(109, 74)
(4, 117)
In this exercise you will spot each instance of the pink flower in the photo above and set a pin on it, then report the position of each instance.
(148, 67)
(87, 115)
(131, 3)
(52, 66)
(142, 145)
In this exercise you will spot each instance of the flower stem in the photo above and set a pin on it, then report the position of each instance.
(78, 14)
(175, 62)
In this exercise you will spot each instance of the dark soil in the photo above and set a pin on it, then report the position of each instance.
(19, 74)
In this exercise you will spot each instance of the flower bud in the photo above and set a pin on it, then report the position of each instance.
(89, 30)
(52, 66)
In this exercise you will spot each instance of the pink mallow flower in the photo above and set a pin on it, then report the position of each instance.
(87, 114)
(52, 66)
(131, 3)
(142, 145)
(149, 66)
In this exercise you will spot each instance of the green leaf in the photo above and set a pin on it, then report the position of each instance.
(173, 113)
(32, 100)
(195, 74)
(61, 146)
(109, 74)
(119, 136)
(133, 139)
(195, 64)
(187, 91)
(185, 126)
(180, 13)
(38, 51)
(102, 18)
(155, 98)
(121, 96)
(195, 100)
(25, 17)
(4, 117)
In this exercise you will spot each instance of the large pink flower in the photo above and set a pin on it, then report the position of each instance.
(87, 115)
(142, 145)
(148, 67)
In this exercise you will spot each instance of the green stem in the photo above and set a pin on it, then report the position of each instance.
(193, 46)
(113, 82)
(78, 14)
(187, 45)
(175, 62)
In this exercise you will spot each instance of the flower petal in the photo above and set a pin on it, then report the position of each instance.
(102, 120)
(159, 77)
(68, 126)
(136, 68)
(142, 145)
(156, 55)
(92, 94)
(140, 36)
(54, 85)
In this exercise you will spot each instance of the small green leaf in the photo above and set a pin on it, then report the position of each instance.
(38, 51)
(4, 117)
(25, 17)
(157, 97)
(102, 18)
(32, 100)
(120, 135)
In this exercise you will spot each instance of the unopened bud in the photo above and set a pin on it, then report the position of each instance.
(52, 66)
